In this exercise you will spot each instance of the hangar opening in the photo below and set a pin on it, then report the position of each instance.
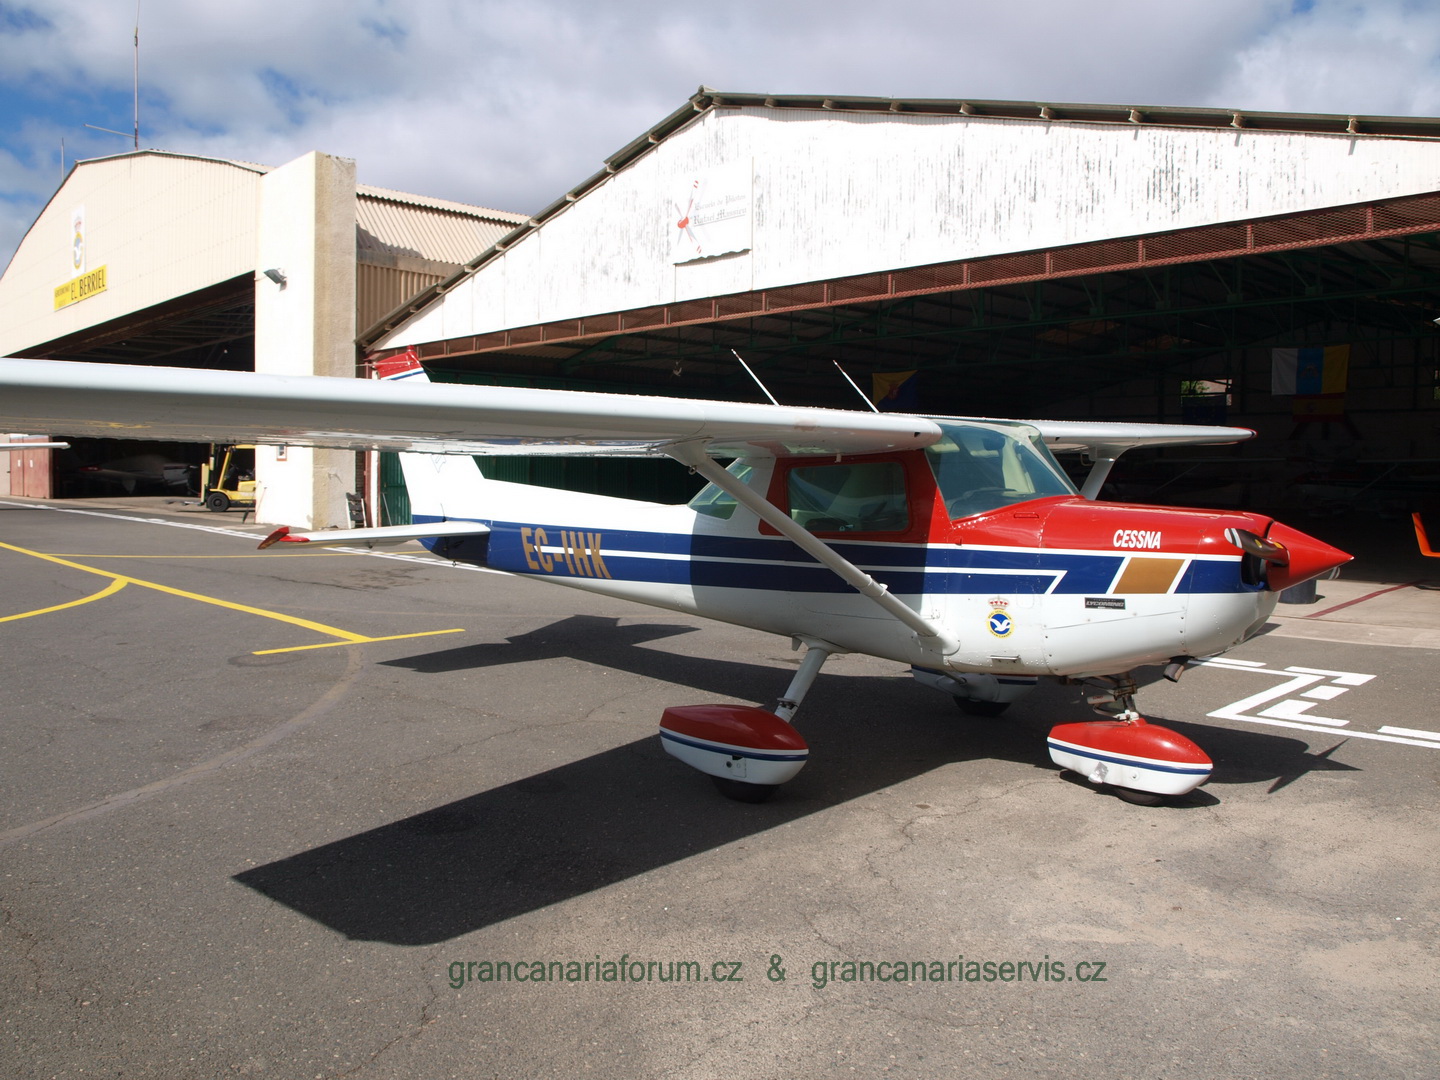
(154, 258)
(1005, 259)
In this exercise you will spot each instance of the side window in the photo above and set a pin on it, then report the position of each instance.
(866, 497)
(712, 502)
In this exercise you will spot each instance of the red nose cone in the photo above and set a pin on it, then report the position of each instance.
(1308, 557)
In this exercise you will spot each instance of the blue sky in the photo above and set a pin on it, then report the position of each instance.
(508, 105)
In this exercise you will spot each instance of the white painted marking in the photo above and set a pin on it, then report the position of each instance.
(1236, 710)
(1349, 733)
(1325, 693)
(1344, 678)
(1416, 732)
(1300, 680)
(1296, 710)
(427, 559)
(134, 518)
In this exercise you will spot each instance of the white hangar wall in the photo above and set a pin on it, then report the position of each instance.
(161, 225)
(834, 195)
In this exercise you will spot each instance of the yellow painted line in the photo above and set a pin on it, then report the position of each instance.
(362, 641)
(112, 588)
(319, 628)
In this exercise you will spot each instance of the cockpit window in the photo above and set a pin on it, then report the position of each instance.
(864, 497)
(712, 502)
(979, 467)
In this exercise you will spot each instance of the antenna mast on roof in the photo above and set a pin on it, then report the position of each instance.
(869, 404)
(136, 134)
(752, 375)
(137, 74)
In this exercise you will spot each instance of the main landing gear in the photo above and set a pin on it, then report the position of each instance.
(747, 751)
(1143, 762)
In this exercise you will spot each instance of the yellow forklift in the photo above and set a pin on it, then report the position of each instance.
(228, 478)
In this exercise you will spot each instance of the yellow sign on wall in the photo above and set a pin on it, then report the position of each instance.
(80, 288)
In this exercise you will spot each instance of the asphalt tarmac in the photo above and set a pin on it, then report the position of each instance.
(465, 854)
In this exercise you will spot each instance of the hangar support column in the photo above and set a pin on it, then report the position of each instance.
(305, 324)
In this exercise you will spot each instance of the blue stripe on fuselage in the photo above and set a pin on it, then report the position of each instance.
(776, 564)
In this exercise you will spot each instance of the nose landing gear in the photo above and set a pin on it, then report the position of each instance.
(1143, 762)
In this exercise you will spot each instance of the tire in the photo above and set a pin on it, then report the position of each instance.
(740, 791)
(981, 708)
(1139, 798)
(217, 501)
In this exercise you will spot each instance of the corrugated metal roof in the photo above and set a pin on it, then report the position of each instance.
(392, 229)
(372, 192)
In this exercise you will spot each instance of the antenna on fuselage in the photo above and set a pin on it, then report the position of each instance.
(752, 375)
(857, 389)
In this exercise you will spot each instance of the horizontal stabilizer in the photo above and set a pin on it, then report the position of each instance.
(378, 537)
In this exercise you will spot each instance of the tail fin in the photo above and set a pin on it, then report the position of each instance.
(441, 486)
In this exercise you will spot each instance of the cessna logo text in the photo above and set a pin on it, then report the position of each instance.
(576, 552)
(1136, 538)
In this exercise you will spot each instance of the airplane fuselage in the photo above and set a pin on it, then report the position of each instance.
(1055, 585)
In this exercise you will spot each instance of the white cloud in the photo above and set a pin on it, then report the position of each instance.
(1378, 57)
(510, 105)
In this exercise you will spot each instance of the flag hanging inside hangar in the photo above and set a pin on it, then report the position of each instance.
(895, 391)
(1315, 370)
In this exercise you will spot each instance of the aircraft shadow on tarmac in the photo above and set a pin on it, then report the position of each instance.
(583, 826)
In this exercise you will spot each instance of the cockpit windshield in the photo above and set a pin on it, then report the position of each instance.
(981, 466)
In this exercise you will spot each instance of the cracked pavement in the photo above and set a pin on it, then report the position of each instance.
(319, 836)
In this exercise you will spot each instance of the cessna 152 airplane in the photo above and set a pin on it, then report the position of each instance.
(957, 546)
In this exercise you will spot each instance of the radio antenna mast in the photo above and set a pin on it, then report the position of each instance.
(857, 389)
(754, 376)
(136, 133)
(137, 74)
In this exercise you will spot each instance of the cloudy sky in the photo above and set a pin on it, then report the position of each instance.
(509, 104)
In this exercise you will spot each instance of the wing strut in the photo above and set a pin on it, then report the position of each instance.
(1104, 460)
(932, 637)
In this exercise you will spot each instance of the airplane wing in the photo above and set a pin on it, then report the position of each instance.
(117, 401)
(1103, 442)
(1097, 437)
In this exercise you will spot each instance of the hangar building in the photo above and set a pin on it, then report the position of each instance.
(1276, 271)
(168, 259)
